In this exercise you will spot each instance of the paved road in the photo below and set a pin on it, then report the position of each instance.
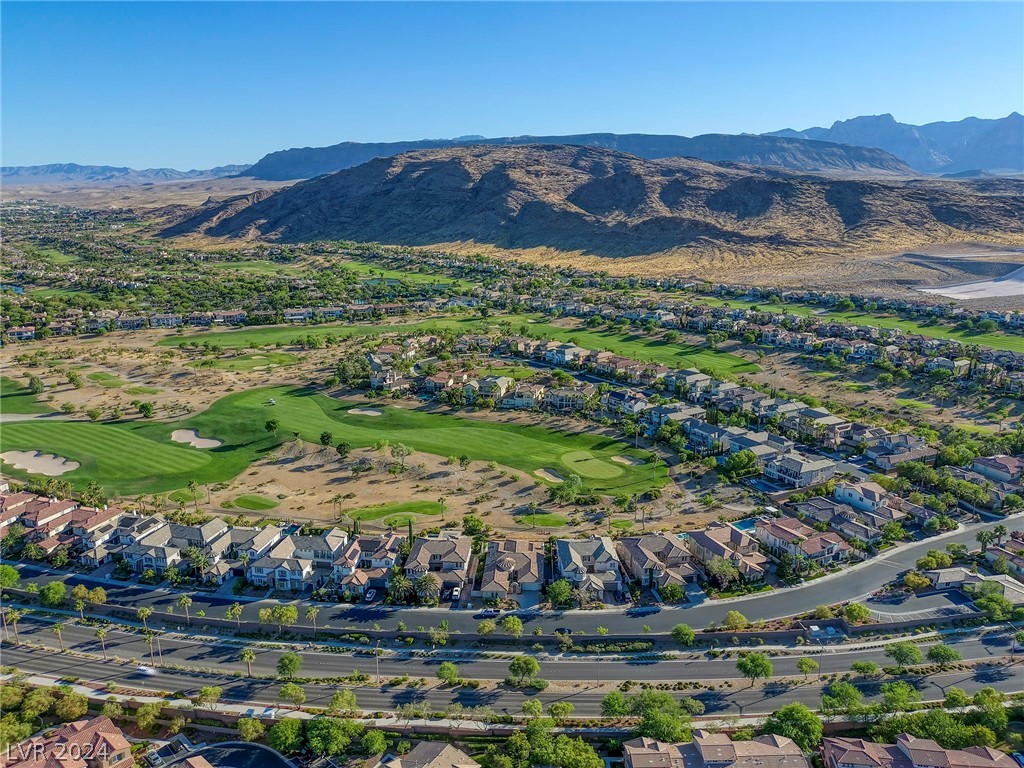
(851, 584)
(584, 694)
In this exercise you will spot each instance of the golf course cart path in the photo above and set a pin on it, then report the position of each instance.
(192, 437)
(37, 463)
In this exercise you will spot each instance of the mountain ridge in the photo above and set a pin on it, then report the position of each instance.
(63, 173)
(600, 202)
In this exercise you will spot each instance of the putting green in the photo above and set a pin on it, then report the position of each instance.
(405, 509)
(139, 456)
(586, 464)
(254, 502)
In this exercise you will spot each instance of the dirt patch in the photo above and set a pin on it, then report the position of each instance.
(38, 463)
(366, 412)
(550, 475)
(192, 437)
(627, 460)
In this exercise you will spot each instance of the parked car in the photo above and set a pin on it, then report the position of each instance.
(456, 594)
(490, 612)
(370, 595)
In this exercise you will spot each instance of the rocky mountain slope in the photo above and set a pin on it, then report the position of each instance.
(778, 152)
(72, 173)
(599, 202)
(971, 144)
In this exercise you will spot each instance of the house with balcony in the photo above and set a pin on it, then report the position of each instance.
(788, 535)
(590, 565)
(890, 451)
(731, 544)
(366, 562)
(798, 470)
(657, 560)
(446, 555)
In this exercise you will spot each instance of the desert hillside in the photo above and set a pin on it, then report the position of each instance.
(598, 202)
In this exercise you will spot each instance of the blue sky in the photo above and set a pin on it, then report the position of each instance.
(192, 85)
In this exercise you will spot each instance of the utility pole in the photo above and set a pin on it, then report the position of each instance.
(376, 659)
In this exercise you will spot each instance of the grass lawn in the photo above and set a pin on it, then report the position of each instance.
(251, 362)
(43, 293)
(139, 457)
(624, 525)
(258, 336)
(105, 379)
(16, 398)
(517, 372)
(792, 309)
(261, 267)
(542, 520)
(907, 402)
(254, 502)
(406, 509)
(140, 389)
(642, 347)
(854, 386)
(181, 496)
(56, 257)
(374, 274)
(996, 340)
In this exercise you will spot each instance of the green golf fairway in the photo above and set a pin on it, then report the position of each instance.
(139, 457)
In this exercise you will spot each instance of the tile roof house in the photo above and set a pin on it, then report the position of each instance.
(591, 565)
(798, 470)
(725, 541)
(865, 496)
(908, 752)
(657, 560)
(445, 554)
(1005, 469)
(892, 450)
(431, 754)
(513, 566)
(790, 536)
(95, 743)
(715, 750)
(366, 562)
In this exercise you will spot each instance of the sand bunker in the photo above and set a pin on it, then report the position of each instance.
(1007, 285)
(627, 460)
(192, 437)
(38, 463)
(550, 475)
(365, 412)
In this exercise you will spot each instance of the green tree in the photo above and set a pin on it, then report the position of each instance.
(286, 735)
(523, 669)
(943, 655)
(271, 426)
(326, 438)
(247, 656)
(448, 673)
(796, 722)
(904, 654)
(560, 592)
(147, 715)
(250, 729)
(53, 594)
(8, 577)
(533, 708)
(512, 625)
(899, 696)
(293, 693)
(560, 711)
(288, 664)
(71, 706)
(856, 613)
(683, 634)
(343, 702)
(374, 743)
(754, 666)
(486, 627)
(806, 665)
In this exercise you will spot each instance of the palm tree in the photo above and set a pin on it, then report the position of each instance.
(101, 632)
(198, 559)
(149, 639)
(13, 617)
(400, 588)
(426, 587)
(58, 630)
(142, 614)
(248, 655)
(1001, 532)
(235, 612)
(193, 485)
(184, 602)
(984, 538)
(311, 614)
(80, 607)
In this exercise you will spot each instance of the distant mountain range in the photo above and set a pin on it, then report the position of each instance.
(602, 202)
(67, 173)
(771, 151)
(968, 145)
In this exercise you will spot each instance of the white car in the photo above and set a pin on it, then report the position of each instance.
(144, 670)
(490, 612)
(370, 594)
(456, 594)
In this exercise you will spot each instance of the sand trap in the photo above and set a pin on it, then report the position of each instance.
(192, 437)
(365, 412)
(38, 463)
(627, 460)
(550, 475)
(1011, 284)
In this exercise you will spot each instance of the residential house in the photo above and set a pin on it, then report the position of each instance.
(731, 544)
(590, 565)
(430, 754)
(788, 535)
(866, 496)
(366, 562)
(658, 560)
(908, 752)
(512, 567)
(90, 743)
(1000, 469)
(624, 402)
(21, 333)
(890, 451)
(715, 750)
(799, 470)
(523, 396)
(564, 399)
(446, 555)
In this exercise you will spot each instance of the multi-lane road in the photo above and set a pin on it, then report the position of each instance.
(854, 583)
(191, 663)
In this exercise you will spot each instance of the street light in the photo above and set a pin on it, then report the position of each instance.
(376, 659)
